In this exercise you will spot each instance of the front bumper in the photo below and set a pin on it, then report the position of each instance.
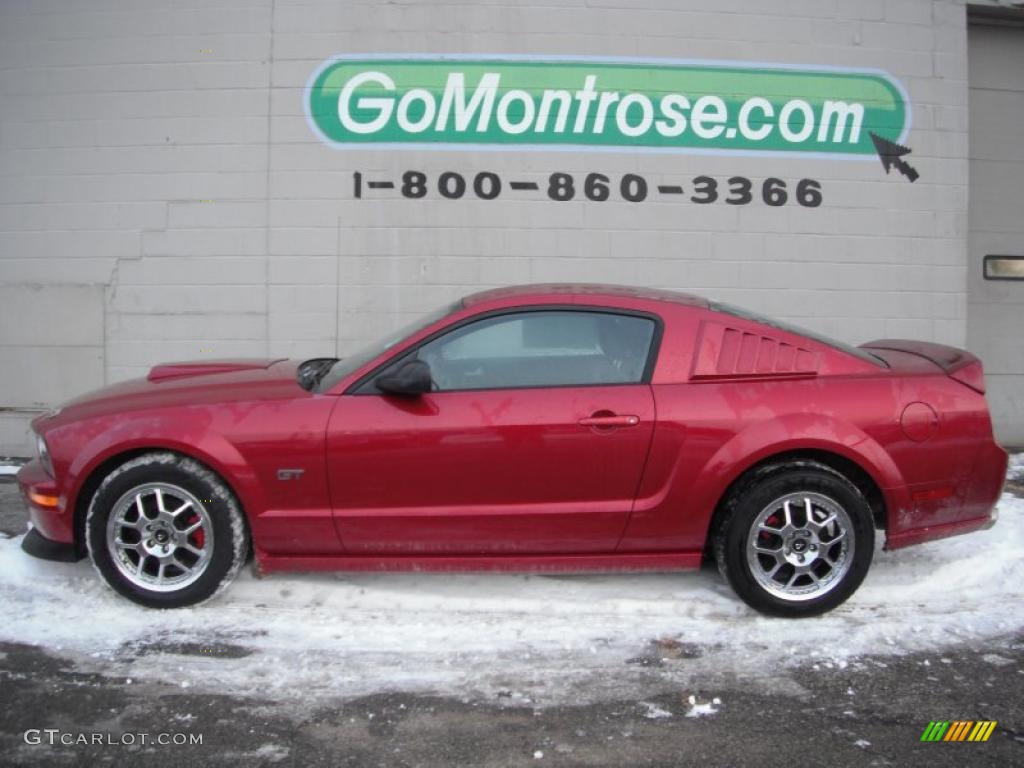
(39, 546)
(46, 507)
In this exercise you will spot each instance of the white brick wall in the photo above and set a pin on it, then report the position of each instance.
(117, 124)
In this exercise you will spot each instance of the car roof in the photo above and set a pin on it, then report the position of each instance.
(586, 290)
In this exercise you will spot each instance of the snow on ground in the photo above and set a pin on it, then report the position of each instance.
(529, 640)
(1015, 470)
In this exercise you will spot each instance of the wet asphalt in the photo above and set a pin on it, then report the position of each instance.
(872, 713)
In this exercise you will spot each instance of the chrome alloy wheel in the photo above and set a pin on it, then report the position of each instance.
(800, 546)
(160, 537)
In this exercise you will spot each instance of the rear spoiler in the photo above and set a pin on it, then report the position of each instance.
(957, 363)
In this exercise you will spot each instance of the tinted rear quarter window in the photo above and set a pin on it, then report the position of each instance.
(743, 314)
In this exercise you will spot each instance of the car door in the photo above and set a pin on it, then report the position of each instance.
(534, 440)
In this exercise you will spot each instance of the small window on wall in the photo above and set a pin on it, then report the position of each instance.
(1004, 267)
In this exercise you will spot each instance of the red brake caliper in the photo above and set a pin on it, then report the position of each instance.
(772, 522)
(199, 537)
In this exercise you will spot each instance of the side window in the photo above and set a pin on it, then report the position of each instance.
(541, 349)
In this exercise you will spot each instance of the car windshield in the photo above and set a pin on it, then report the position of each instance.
(729, 309)
(353, 362)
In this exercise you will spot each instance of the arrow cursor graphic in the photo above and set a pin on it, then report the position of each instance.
(891, 154)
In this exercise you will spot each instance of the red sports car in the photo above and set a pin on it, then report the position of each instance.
(541, 428)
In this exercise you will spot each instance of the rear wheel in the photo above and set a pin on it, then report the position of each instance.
(165, 531)
(796, 542)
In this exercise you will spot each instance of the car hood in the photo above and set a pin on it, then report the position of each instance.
(165, 371)
(186, 383)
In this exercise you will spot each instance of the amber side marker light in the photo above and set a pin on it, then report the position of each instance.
(42, 499)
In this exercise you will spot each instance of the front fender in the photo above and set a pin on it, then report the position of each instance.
(102, 441)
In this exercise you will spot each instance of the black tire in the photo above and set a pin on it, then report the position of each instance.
(212, 510)
(824, 491)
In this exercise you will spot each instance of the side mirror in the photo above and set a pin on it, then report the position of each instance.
(411, 379)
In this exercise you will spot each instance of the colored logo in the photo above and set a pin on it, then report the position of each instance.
(480, 102)
(959, 730)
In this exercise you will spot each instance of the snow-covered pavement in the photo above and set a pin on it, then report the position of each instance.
(535, 640)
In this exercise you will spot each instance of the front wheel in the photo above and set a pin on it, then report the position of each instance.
(796, 543)
(165, 531)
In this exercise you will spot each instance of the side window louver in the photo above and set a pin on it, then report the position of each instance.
(727, 352)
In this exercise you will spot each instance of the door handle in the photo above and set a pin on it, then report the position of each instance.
(610, 420)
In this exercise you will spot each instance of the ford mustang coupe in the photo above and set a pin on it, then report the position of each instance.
(536, 428)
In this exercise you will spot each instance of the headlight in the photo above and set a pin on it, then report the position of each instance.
(43, 454)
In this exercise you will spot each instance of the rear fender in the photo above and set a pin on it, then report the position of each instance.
(796, 432)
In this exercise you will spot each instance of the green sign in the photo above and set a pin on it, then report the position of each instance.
(477, 102)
